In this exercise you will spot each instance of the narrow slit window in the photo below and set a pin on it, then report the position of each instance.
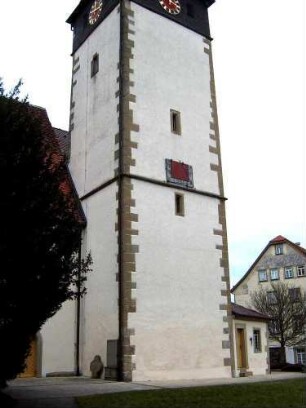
(257, 340)
(301, 271)
(175, 118)
(179, 205)
(95, 65)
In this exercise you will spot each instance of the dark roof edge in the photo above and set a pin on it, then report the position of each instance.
(82, 3)
(208, 3)
(249, 314)
(77, 199)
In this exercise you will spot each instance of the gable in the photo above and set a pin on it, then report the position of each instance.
(293, 254)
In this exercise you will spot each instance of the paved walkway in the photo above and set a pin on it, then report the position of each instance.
(60, 392)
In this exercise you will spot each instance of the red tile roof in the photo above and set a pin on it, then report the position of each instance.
(63, 137)
(54, 148)
(278, 239)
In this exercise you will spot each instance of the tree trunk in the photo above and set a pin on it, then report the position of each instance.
(282, 356)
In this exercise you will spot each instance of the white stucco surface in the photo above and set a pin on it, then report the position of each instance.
(95, 112)
(58, 341)
(180, 318)
(100, 305)
(171, 71)
(178, 324)
(257, 362)
(92, 163)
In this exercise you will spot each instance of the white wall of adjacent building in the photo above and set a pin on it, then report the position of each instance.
(58, 341)
(257, 362)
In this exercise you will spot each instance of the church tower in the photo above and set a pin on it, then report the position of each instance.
(145, 159)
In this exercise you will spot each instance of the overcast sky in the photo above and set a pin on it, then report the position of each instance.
(259, 59)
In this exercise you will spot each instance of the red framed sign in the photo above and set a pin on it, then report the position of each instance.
(179, 173)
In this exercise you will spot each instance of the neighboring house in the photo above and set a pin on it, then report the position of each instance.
(250, 339)
(281, 260)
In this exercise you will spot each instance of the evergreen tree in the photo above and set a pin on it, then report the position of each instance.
(40, 231)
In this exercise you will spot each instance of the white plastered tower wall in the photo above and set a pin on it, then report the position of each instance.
(178, 325)
(94, 124)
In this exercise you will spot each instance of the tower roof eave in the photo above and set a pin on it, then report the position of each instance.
(76, 11)
(82, 3)
(208, 3)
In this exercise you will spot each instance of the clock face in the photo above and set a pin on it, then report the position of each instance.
(95, 11)
(172, 6)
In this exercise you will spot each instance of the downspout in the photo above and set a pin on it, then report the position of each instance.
(120, 376)
(78, 312)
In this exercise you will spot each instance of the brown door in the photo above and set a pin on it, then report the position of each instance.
(31, 362)
(241, 350)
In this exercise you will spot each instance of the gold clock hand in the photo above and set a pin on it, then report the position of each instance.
(95, 9)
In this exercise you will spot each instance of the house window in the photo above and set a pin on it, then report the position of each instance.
(279, 249)
(300, 355)
(274, 327)
(257, 340)
(95, 65)
(179, 205)
(288, 272)
(190, 10)
(271, 298)
(298, 323)
(295, 294)
(274, 274)
(175, 118)
(262, 276)
(301, 271)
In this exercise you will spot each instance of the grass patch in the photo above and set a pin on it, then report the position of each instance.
(278, 394)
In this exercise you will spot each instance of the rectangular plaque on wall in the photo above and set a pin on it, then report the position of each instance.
(179, 173)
